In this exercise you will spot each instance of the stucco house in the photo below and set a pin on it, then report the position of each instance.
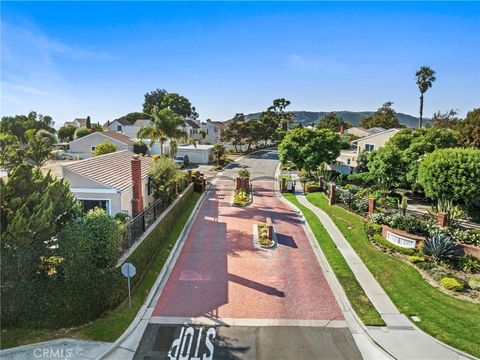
(116, 182)
(78, 122)
(213, 131)
(361, 132)
(126, 128)
(347, 161)
(84, 146)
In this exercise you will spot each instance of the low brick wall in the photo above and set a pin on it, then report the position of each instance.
(471, 250)
(417, 238)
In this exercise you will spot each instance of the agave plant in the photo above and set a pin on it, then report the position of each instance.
(441, 247)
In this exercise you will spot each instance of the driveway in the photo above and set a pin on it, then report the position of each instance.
(263, 302)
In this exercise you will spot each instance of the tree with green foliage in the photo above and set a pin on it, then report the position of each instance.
(334, 122)
(468, 130)
(446, 120)
(163, 173)
(308, 149)
(11, 154)
(88, 123)
(18, 125)
(396, 163)
(384, 117)
(38, 149)
(218, 150)
(425, 78)
(34, 207)
(165, 126)
(164, 100)
(67, 133)
(105, 147)
(140, 147)
(81, 132)
(451, 174)
(134, 116)
(235, 134)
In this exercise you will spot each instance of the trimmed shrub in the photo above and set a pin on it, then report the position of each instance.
(372, 228)
(312, 187)
(474, 282)
(415, 259)
(451, 284)
(408, 223)
(140, 147)
(379, 239)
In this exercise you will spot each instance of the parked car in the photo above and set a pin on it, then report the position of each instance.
(181, 160)
(65, 156)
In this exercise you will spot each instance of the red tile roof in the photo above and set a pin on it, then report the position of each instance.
(118, 136)
(113, 170)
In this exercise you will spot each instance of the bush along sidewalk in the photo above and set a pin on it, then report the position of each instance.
(113, 323)
(443, 316)
(356, 296)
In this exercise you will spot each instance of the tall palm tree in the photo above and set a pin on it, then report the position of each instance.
(165, 126)
(425, 78)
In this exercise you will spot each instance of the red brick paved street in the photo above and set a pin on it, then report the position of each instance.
(219, 272)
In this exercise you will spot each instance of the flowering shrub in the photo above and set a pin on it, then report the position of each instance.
(468, 237)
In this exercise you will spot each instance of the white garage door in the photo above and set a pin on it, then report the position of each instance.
(196, 157)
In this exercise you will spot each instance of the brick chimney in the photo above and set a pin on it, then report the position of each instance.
(137, 200)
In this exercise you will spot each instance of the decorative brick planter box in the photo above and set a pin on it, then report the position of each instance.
(402, 238)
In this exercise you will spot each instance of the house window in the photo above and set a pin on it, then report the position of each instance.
(149, 187)
(348, 161)
(369, 147)
(88, 204)
(215, 129)
(119, 127)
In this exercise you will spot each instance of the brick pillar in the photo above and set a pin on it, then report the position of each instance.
(269, 229)
(246, 184)
(371, 205)
(189, 172)
(283, 186)
(239, 184)
(331, 196)
(137, 200)
(442, 219)
(320, 182)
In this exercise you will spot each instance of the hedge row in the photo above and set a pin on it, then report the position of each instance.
(146, 252)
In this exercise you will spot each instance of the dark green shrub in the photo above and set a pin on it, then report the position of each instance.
(312, 187)
(470, 264)
(441, 248)
(372, 228)
(379, 239)
(408, 223)
(140, 147)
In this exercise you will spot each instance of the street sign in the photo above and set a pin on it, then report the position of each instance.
(128, 270)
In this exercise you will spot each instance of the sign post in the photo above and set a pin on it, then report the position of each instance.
(128, 270)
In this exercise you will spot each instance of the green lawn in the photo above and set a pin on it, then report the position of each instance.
(450, 320)
(114, 323)
(359, 301)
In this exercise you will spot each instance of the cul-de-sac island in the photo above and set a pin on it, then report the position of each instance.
(175, 203)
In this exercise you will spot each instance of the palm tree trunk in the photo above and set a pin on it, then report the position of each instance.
(420, 121)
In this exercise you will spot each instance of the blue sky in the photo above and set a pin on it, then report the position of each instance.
(70, 59)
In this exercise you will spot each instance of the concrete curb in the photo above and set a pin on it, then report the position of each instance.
(357, 327)
(157, 288)
(365, 329)
(167, 267)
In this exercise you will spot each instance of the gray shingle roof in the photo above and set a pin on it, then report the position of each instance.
(113, 170)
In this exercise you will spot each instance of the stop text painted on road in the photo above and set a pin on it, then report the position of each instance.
(203, 348)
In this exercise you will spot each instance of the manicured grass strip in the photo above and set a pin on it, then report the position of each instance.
(115, 322)
(357, 297)
(450, 320)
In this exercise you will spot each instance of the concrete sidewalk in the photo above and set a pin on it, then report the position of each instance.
(400, 338)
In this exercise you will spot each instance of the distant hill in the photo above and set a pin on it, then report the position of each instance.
(309, 117)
